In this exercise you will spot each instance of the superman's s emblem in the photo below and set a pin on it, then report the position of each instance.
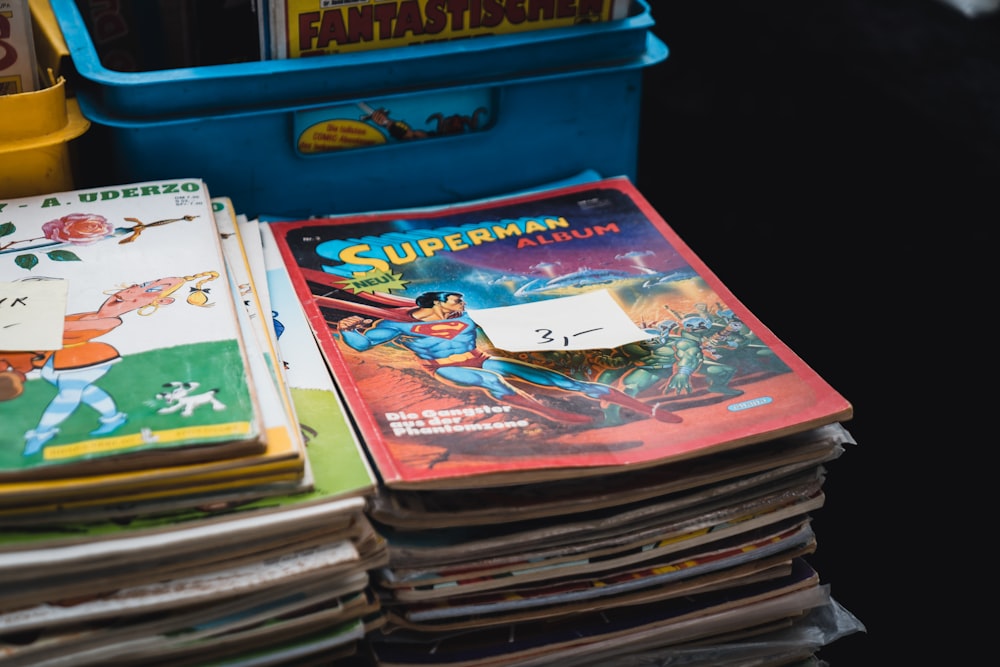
(446, 330)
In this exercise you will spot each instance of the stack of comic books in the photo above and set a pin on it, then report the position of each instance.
(149, 35)
(180, 589)
(167, 499)
(589, 449)
(126, 370)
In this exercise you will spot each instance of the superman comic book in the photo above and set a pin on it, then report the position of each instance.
(562, 333)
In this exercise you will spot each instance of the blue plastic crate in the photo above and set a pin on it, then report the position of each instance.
(304, 159)
(232, 87)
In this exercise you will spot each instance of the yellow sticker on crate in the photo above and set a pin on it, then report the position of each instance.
(363, 124)
(338, 134)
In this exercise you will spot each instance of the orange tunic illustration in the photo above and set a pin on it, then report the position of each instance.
(82, 361)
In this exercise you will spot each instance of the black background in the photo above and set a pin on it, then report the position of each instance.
(837, 164)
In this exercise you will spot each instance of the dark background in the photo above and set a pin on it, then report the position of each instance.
(837, 164)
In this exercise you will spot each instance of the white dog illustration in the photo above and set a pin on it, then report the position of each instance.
(180, 397)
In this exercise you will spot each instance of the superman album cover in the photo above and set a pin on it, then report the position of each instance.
(393, 299)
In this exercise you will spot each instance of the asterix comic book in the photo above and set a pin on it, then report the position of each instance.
(121, 344)
(555, 334)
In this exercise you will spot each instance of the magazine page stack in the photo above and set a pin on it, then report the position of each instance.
(588, 447)
(533, 429)
(161, 502)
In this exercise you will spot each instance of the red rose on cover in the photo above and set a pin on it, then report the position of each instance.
(78, 228)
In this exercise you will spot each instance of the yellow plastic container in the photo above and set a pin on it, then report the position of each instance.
(50, 46)
(35, 131)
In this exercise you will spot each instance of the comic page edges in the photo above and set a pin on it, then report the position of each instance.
(361, 421)
(339, 460)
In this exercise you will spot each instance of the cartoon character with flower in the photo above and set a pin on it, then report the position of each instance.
(82, 361)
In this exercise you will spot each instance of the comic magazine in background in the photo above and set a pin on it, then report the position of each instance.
(333, 444)
(120, 338)
(301, 28)
(397, 302)
(18, 65)
(276, 401)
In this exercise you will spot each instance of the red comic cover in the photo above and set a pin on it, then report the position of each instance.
(609, 343)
